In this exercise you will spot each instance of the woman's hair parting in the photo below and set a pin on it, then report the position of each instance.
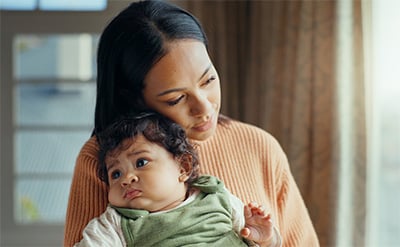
(155, 128)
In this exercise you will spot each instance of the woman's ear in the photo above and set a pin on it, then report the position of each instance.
(186, 167)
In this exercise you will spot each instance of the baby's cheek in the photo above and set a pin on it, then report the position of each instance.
(113, 198)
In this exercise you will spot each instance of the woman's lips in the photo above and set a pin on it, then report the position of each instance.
(204, 126)
(132, 194)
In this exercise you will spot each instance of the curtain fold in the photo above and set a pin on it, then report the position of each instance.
(295, 70)
(297, 89)
(351, 219)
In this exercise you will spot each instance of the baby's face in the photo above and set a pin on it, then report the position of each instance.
(145, 176)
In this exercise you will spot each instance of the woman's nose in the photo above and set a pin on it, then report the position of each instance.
(200, 105)
(129, 178)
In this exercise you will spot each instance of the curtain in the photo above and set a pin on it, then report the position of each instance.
(295, 69)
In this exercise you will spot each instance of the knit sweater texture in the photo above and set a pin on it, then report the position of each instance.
(249, 160)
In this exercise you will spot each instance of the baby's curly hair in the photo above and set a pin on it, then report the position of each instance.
(155, 128)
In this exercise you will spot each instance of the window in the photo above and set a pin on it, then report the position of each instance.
(47, 97)
(76, 5)
(54, 105)
(385, 127)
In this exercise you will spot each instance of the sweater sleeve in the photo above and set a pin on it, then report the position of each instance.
(88, 194)
(295, 224)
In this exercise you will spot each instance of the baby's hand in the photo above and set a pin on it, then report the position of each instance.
(258, 226)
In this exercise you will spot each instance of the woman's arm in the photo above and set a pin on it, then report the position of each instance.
(88, 194)
(295, 224)
(258, 151)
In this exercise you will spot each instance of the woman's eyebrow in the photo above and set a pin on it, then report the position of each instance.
(170, 91)
(180, 89)
(205, 72)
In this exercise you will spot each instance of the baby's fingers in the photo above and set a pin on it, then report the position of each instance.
(256, 209)
(247, 211)
(245, 232)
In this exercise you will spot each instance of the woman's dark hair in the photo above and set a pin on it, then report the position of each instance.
(129, 46)
(156, 129)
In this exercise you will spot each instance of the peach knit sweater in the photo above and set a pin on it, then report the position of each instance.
(249, 161)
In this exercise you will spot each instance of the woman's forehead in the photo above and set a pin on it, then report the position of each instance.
(186, 60)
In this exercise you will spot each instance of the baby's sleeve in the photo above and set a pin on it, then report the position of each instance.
(103, 231)
(238, 221)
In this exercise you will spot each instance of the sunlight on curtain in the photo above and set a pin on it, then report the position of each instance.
(352, 180)
(344, 72)
(384, 175)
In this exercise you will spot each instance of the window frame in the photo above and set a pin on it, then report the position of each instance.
(13, 23)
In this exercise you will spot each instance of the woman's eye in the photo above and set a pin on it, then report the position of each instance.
(174, 102)
(209, 80)
(141, 162)
(116, 174)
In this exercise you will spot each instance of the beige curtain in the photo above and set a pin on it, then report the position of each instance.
(294, 68)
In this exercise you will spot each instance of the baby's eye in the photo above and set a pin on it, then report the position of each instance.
(141, 162)
(116, 174)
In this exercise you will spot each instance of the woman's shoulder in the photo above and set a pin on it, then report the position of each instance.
(244, 131)
(233, 123)
(89, 149)
(245, 136)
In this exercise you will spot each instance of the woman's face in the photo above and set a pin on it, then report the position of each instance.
(184, 86)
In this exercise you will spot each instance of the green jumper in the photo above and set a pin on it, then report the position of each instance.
(206, 221)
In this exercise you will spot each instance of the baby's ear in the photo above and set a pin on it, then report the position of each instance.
(186, 167)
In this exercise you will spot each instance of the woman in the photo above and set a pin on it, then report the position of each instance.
(153, 56)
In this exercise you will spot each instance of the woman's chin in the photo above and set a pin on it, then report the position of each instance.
(201, 135)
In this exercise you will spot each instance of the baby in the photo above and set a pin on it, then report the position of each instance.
(157, 197)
